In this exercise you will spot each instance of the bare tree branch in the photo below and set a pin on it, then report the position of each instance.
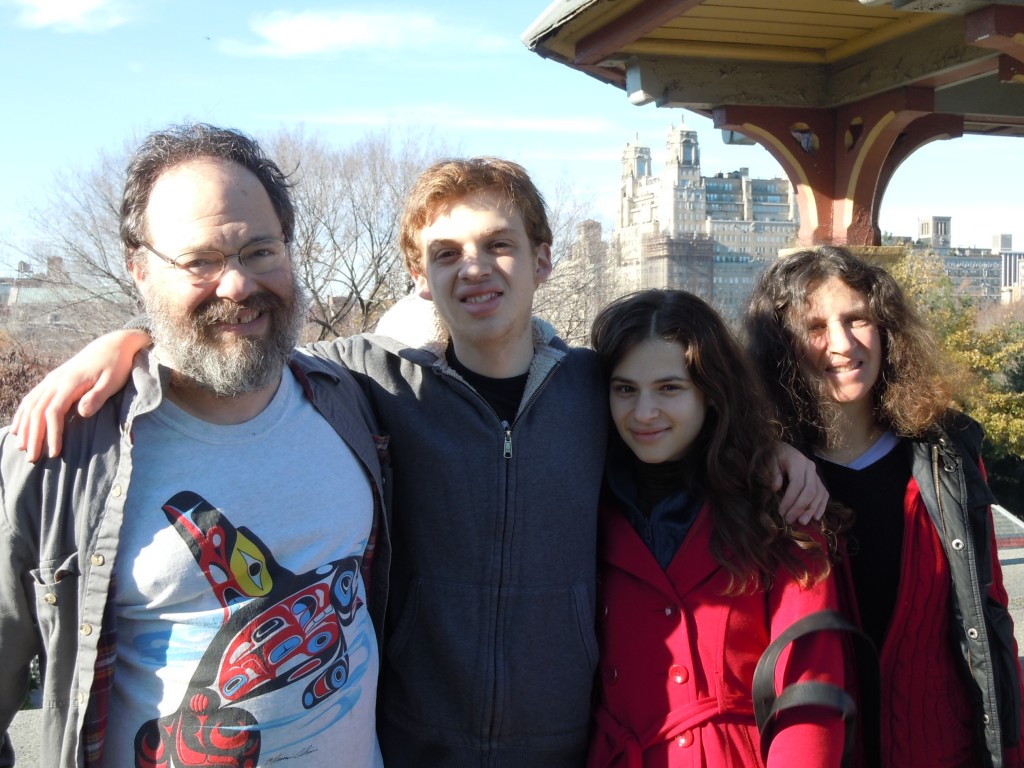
(348, 204)
(580, 283)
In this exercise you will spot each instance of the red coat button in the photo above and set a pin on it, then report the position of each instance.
(684, 739)
(678, 674)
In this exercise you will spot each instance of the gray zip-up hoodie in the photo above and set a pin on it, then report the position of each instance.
(489, 645)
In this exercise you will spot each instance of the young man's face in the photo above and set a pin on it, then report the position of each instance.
(232, 334)
(481, 271)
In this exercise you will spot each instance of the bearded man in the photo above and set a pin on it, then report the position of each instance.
(192, 570)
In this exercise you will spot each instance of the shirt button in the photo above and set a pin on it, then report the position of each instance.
(678, 674)
(684, 739)
(116, 491)
(611, 674)
(668, 611)
(98, 559)
(50, 599)
(958, 544)
(972, 633)
(86, 629)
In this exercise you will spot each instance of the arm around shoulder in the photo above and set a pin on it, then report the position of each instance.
(89, 378)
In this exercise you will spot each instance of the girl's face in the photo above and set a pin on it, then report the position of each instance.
(656, 407)
(844, 344)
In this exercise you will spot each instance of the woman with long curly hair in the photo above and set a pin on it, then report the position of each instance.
(697, 571)
(857, 380)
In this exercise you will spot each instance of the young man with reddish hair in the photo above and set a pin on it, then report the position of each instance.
(499, 435)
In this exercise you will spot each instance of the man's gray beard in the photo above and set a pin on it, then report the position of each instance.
(230, 365)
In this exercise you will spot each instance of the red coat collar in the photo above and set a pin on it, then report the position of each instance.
(692, 566)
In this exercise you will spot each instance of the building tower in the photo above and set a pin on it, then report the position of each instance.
(636, 175)
(636, 162)
(935, 232)
(682, 166)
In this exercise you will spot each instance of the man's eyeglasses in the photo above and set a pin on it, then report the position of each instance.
(207, 266)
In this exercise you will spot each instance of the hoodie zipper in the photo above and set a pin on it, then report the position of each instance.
(506, 452)
(506, 427)
(523, 407)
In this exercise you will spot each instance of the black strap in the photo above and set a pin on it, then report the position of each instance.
(768, 704)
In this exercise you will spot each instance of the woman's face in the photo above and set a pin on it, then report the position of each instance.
(655, 406)
(844, 345)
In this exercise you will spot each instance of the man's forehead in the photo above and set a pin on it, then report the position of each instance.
(188, 183)
(199, 166)
(491, 205)
(209, 192)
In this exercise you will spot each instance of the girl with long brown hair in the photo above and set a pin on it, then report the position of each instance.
(858, 381)
(697, 570)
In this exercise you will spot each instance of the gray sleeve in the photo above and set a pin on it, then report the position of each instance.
(341, 351)
(19, 640)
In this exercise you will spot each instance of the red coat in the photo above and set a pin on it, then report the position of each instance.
(678, 658)
(928, 713)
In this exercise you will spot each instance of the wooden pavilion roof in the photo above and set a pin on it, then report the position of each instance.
(704, 54)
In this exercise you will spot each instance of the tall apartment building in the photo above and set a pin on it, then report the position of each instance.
(706, 234)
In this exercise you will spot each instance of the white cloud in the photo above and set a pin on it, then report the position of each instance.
(70, 15)
(286, 34)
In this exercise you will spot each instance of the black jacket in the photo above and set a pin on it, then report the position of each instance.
(946, 466)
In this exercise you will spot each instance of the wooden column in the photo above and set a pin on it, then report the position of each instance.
(840, 160)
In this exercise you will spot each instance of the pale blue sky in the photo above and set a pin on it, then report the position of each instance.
(80, 77)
